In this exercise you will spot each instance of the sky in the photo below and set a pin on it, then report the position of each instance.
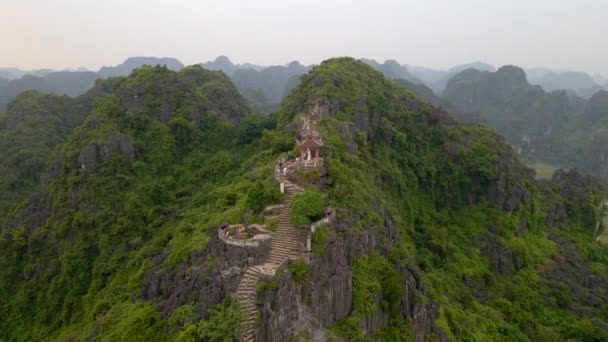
(434, 33)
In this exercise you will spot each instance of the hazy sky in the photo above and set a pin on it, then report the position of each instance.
(435, 33)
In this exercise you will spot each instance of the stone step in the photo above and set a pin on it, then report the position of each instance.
(284, 249)
(245, 293)
(279, 256)
(289, 232)
(247, 305)
(277, 259)
(249, 284)
(286, 243)
(245, 290)
(286, 233)
(280, 253)
(291, 249)
(287, 249)
(289, 229)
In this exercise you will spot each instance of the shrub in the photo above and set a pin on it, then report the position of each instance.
(132, 322)
(220, 327)
(261, 194)
(306, 208)
(299, 270)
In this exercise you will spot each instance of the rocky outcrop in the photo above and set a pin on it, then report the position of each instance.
(280, 310)
(328, 292)
(573, 285)
(500, 257)
(509, 190)
(92, 155)
(422, 312)
(209, 276)
(37, 211)
(567, 198)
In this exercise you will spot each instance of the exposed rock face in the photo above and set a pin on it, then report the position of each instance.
(207, 277)
(117, 143)
(499, 256)
(574, 285)
(572, 188)
(36, 213)
(329, 289)
(87, 159)
(376, 321)
(92, 155)
(279, 312)
(509, 190)
(54, 170)
(423, 314)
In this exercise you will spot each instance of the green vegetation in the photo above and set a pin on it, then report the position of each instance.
(164, 158)
(85, 260)
(433, 180)
(307, 207)
(299, 270)
(319, 240)
(33, 125)
(375, 279)
(222, 325)
(548, 128)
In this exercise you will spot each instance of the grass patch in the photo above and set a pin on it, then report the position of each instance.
(543, 169)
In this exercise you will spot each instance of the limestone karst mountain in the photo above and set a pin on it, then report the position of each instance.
(580, 83)
(555, 127)
(426, 229)
(132, 63)
(72, 83)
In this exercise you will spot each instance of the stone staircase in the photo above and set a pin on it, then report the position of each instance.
(287, 242)
(246, 296)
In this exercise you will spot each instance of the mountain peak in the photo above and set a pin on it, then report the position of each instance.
(132, 63)
(513, 73)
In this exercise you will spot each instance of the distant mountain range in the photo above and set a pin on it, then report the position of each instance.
(265, 86)
(73, 83)
(132, 63)
(557, 126)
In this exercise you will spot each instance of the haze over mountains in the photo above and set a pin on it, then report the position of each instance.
(111, 203)
(266, 85)
(537, 110)
(73, 83)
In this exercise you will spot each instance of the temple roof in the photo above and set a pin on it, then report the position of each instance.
(311, 141)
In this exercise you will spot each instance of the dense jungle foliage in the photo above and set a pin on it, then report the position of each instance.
(556, 127)
(164, 158)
